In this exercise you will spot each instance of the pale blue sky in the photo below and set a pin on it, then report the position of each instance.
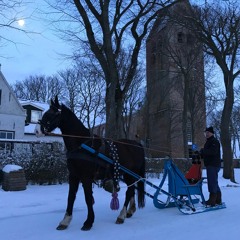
(33, 53)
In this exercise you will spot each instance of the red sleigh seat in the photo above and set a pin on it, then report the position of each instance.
(195, 173)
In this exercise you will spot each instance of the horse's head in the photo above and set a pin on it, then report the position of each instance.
(51, 118)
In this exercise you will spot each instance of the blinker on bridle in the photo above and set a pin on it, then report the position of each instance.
(46, 125)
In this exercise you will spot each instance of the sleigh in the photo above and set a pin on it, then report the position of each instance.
(181, 192)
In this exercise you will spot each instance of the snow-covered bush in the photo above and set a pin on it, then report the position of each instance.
(43, 163)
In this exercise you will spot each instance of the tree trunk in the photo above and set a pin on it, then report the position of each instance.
(110, 113)
(225, 135)
(114, 98)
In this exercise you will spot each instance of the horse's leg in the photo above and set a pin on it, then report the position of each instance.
(132, 207)
(87, 187)
(123, 214)
(73, 188)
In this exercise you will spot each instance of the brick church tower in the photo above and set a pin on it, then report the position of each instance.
(176, 115)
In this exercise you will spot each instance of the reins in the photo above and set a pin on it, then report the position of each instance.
(107, 139)
(95, 137)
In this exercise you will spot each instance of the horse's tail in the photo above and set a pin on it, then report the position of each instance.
(141, 185)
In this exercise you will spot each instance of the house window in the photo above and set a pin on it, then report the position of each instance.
(6, 146)
(6, 135)
(0, 96)
(35, 116)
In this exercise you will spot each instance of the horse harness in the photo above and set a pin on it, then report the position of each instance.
(110, 182)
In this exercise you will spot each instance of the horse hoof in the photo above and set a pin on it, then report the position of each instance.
(86, 228)
(61, 227)
(119, 221)
(129, 215)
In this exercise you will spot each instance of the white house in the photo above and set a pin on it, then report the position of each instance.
(12, 114)
(18, 118)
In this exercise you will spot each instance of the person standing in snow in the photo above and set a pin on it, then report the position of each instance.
(211, 156)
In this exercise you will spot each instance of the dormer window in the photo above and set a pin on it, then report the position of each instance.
(35, 116)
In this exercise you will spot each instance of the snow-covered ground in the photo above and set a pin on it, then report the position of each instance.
(34, 214)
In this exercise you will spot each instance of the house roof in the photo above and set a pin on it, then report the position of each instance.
(41, 106)
(12, 93)
(31, 127)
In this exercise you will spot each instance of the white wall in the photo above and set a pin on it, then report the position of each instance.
(12, 115)
(13, 123)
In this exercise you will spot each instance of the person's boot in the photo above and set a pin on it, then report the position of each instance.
(212, 200)
(207, 201)
(219, 198)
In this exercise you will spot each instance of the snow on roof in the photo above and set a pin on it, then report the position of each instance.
(43, 106)
(11, 168)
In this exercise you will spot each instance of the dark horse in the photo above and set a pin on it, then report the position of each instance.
(83, 167)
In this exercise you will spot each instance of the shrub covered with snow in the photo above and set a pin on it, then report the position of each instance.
(43, 163)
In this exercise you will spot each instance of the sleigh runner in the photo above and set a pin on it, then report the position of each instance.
(181, 193)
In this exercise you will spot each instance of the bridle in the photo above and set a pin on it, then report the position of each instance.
(55, 120)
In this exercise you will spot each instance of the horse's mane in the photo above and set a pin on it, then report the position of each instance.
(76, 124)
(75, 127)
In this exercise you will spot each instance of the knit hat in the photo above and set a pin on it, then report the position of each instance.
(209, 129)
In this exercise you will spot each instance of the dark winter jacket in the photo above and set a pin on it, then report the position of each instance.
(211, 152)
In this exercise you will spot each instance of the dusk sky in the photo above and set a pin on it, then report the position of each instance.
(34, 53)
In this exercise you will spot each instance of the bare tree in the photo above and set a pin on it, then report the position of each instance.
(235, 130)
(133, 102)
(235, 124)
(70, 78)
(218, 27)
(215, 94)
(84, 92)
(109, 26)
(91, 97)
(38, 88)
